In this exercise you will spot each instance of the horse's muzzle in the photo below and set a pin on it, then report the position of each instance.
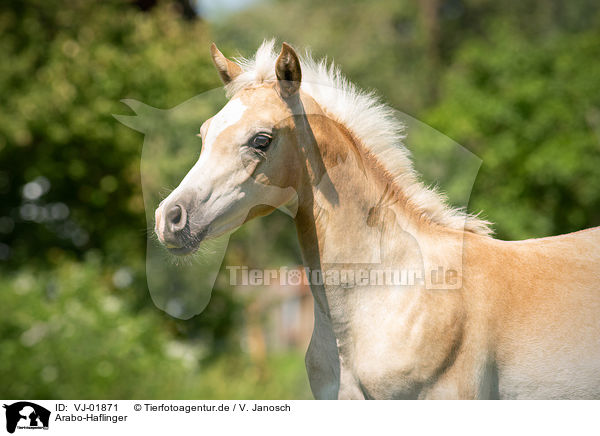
(172, 225)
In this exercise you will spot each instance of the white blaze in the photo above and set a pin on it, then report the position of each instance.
(231, 113)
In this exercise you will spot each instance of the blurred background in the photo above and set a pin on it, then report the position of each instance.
(515, 82)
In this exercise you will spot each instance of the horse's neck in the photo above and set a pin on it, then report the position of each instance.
(351, 218)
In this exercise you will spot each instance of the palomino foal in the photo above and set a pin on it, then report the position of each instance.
(511, 320)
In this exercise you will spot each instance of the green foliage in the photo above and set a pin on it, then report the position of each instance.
(69, 68)
(69, 334)
(378, 44)
(531, 110)
(72, 312)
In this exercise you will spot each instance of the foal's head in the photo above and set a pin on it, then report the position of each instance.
(249, 161)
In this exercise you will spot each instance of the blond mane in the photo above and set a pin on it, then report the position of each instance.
(371, 121)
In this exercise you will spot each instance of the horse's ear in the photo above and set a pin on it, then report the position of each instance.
(287, 70)
(227, 69)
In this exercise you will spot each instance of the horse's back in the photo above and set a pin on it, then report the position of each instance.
(579, 238)
(548, 319)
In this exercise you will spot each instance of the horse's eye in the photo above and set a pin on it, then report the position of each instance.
(261, 140)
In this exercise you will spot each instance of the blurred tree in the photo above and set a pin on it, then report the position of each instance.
(184, 7)
(379, 44)
(70, 172)
(530, 108)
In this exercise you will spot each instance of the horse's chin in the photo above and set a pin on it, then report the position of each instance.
(200, 237)
(189, 246)
(183, 251)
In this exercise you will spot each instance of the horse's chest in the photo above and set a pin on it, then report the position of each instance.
(392, 352)
(397, 365)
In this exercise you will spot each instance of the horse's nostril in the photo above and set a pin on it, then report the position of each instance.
(176, 218)
(175, 215)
